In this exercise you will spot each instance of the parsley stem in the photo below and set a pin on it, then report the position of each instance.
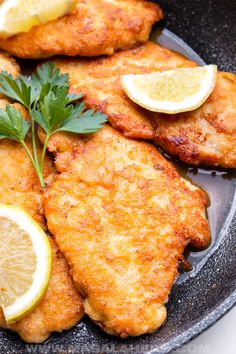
(44, 152)
(34, 142)
(36, 168)
(33, 137)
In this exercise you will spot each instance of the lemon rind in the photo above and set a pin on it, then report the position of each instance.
(158, 106)
(15, 26)
(27, 302)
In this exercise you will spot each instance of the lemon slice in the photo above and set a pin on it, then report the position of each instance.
(20, 15)
(172, 91)
(25, 263)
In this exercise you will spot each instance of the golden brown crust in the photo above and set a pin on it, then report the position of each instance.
(122, 217)
(19, 183)
(60, 309)
(9, 64)
(96, 27)
(100, 81)
(207, 135)
(204, 136)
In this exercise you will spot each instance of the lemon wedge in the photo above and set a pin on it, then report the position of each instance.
(21, 15)
(25, 263)
(173, 91)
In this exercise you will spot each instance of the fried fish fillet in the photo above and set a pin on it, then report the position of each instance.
(61, 307)
(96, 27)
(19, 182)
(8, 64)
(205, 136)
(122, 216)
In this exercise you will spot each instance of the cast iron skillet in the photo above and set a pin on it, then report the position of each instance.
(202, 296)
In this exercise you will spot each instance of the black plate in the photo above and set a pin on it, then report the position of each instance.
(202, 296)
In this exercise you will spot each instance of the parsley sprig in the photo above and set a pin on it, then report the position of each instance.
(46, 96)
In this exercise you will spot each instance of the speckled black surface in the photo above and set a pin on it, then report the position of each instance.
(209, 27)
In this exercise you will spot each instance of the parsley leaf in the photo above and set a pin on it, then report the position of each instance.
(47, 74)
(18, 90)
(12, 124)
(47, 79)
(55, 109)
(28, 90)
(88, 122)
(46, 96)
(74, 97)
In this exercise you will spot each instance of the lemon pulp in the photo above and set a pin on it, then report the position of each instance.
(25, 263)
(172, 91)
(21, 15)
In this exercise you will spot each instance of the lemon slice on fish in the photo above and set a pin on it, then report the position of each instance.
(21, 15)
(172, 91)
(25, 263)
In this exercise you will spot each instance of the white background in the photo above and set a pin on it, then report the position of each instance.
(219, 339)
